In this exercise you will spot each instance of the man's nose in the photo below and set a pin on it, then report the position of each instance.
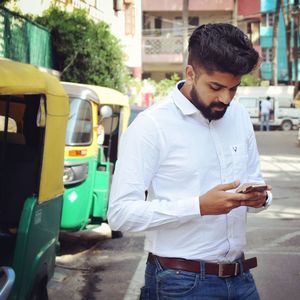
(225, 97)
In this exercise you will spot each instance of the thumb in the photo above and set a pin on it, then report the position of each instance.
(228, 186)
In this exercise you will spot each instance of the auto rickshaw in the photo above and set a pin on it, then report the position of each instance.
(98, 117)
(34, 111)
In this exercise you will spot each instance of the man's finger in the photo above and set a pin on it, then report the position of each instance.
(228, 186)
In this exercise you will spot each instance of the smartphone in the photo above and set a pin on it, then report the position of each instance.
(251, 187)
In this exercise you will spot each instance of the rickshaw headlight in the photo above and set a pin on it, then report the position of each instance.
(68, 175)
(75, 172)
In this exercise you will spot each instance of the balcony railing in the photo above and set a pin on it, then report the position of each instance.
(167, 48)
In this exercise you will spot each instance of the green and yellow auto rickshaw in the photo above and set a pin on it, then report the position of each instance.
(34, 111)
(98, 117)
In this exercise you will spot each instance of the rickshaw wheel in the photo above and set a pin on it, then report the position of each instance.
(39, 291)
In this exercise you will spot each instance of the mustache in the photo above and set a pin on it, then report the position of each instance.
(218, 105)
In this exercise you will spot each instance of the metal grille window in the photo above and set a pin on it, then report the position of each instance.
(268, 19)
(267, 55)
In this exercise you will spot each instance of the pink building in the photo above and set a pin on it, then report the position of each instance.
(162, 38)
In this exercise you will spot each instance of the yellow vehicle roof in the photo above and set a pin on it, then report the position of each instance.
(106, 95)
(18, 79)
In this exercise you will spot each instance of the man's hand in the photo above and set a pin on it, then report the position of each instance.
(218, 201)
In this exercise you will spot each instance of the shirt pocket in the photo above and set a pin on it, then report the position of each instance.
(239, 154)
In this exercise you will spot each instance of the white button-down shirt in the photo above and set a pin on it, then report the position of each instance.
(176, 154)
(266, 106)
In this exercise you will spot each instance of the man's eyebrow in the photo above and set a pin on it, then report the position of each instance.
(224, 86)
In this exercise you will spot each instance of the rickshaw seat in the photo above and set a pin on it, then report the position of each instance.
(19, 182)
(13, 138)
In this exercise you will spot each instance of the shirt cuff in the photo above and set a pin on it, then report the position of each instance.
(268, 200)
(188, 207)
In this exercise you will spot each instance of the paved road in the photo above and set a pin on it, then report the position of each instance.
(274, 235)
(94, 267)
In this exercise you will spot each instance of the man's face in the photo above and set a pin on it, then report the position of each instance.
(212, 92)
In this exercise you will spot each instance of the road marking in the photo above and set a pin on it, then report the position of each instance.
(278, 241)
(137, 280)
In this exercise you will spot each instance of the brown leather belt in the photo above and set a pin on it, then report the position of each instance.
(221, 270)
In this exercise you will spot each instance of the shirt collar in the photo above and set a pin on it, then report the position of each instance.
(184, 104)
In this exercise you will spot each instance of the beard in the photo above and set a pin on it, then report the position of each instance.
(207, 110)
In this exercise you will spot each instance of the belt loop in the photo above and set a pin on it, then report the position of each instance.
(158, 265)
(240, 261)
(202, 270)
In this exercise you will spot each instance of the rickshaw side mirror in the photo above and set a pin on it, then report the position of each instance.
(41, 115)
(106, 112)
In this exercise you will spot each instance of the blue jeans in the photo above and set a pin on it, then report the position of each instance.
(169, 284)
(264, 121)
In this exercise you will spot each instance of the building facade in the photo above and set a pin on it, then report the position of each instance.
(268, 8)
(162, 39)
(123, 17)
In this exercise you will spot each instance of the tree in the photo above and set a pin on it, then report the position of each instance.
(275, 43)
(84, 51)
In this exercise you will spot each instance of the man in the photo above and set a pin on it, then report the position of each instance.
(190, 153)
(265, 109)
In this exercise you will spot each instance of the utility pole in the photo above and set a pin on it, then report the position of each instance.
(235, 13)
(296, 13)
(185, 24)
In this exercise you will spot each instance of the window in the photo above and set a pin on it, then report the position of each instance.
(157, 23)
(248, 102)
(267, 55)
(193, 21)
(79, 128)
(177, 26)
(268, 19)
(146, 75)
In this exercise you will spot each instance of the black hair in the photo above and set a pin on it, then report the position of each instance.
(222, 47)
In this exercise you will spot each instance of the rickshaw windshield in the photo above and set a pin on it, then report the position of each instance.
(79, 128)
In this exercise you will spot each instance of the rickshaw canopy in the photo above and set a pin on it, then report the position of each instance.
(22, 79)
(102, 96)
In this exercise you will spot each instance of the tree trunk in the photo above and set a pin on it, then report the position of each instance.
(185, 22)
(274, 43)
(287, 17)
(296, 37)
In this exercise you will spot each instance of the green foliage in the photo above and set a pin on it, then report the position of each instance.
(163, 87)
(84, 51)
(250, 80)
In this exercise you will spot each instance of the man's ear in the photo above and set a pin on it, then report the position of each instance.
(190, 75)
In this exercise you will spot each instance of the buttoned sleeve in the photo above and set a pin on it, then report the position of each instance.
(141, 151)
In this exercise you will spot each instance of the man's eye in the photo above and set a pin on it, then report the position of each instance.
(215, 88)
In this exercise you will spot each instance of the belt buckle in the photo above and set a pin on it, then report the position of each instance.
(221, 270)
